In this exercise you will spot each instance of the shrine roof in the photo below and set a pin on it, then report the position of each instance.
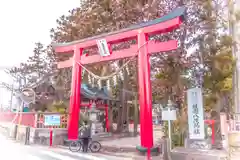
(178, 12)
(95, 93)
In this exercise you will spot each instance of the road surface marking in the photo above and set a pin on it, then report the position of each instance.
(58, 156)
(81, 155)
(31, 157)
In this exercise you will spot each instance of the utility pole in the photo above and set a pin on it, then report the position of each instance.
(232, 32)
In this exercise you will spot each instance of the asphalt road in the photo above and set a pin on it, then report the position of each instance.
(10, 150)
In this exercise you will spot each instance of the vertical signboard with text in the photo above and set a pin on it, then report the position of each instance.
(195, 114)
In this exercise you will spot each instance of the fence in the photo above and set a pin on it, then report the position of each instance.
(36, 120)
(40, 120)
(31, 119)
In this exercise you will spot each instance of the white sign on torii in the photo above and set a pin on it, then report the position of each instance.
(103, 47)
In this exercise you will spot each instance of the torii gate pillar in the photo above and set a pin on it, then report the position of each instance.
(143, 49)
(145, 91)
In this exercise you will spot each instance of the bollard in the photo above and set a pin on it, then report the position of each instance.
(166, 150)
(27, 136)
(15, 132)
(51, 137)
(149, 154)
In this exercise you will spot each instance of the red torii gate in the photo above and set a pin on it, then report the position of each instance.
(143, 49)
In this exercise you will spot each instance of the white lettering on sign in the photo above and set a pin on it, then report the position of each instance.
(195, 114)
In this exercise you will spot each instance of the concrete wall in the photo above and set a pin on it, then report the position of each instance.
(37, 136)
(198, 154)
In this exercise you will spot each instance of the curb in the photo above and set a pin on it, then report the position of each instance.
(105, 152)
(130, 155)
(110, 148)
(107, 148)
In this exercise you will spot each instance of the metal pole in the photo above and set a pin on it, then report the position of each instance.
(169, 132)
(27, 136)
(234, 53)
(11, 100)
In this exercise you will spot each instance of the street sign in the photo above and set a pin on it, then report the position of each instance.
(52, 120)
(169, 114)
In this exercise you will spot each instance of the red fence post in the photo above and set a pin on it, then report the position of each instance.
(51, 137)
(212, 123)
(213, 132)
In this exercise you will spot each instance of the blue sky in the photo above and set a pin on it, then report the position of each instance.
(24, 22)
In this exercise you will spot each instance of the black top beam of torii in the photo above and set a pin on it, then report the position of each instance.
(178, 12)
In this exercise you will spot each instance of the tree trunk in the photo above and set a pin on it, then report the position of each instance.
(119, 123)
(122, 110)
(136, 115)
(125, 116)
(106, 70)
(110, 115)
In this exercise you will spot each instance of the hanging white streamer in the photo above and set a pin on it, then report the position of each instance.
(127, 69)
(118, 70)
(99, 84)
(108, 84)
(114, 80)
(89, 79)
(121, 75)
(83, 73)
(93, 81)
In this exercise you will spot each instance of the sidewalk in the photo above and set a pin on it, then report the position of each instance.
(122, 155)
(128, 144)
(5, 128)
(5, 124)
(124, 147)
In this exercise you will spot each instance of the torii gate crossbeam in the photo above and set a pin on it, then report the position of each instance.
(145, 48)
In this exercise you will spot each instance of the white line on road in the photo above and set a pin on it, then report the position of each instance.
(81, 155)
(55, 155)
(31, 157)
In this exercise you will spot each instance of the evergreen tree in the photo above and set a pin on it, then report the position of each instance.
(174, 72)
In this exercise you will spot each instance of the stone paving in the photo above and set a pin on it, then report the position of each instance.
(130, 143)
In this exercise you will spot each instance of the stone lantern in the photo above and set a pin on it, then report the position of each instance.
(93, 117)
